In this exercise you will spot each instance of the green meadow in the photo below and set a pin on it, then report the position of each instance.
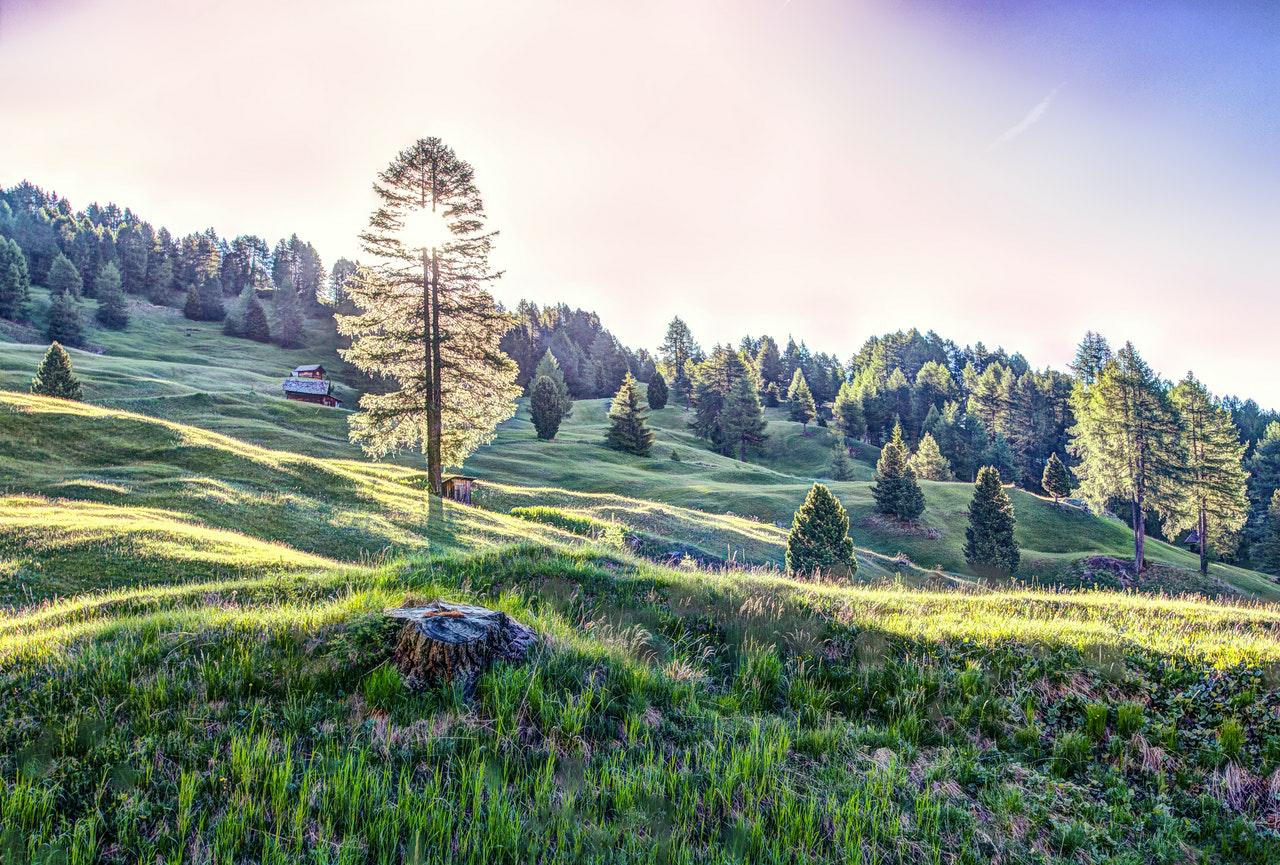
(195, 662)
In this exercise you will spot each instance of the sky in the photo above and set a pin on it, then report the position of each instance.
(1006, 172)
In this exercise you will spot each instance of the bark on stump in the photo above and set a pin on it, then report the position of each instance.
(442, 643)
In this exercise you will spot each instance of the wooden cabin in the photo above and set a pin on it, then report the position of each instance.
(1192, 541)
(458, 488)
(310, 370)
(310, 390)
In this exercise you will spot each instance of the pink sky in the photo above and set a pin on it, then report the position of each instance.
(825, 169)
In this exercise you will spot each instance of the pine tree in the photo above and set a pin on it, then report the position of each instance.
(426, 319)
(677, 351)
(546, 407)
(1128, 442)
(768, 362)
(819, 542)
(113, 311)
(772, 395)
(233, 324)
(713, 379)
(989, 540)
(841, 468)
(742, 423)
(1264, 480)
(657, 391)
(1092, 355)
(64, 278)
(1265, 553)
(256, 326)
(211, 304)
(55, 377)
(191, 308)
(896, 492)
(1210, 496)
(800, 398)
(847, 413)
(998, 454)
(549, 367)
(1056, 479)
(160, 281)
(628, 429)
(928, 462)
(287, 328)
(132, 247)
(15, 282)
(65, 324)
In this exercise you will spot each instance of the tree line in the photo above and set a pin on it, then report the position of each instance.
(106, 254)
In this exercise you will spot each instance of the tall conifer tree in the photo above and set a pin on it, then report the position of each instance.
(113, 312)
(989, 539)
(896, 492)
(657, 391)
(819, 542)
(628, 428)
(426, 319)
(1056, 479)
(55, 377)
(800, 398)
(545, 407)
(741, 422)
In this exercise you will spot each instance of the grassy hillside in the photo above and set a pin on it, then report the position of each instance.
(666, 716)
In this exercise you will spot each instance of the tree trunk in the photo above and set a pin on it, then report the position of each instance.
(431, 445)
(435, 408)
(1204, 550)
(441, 643)
(1139, 535)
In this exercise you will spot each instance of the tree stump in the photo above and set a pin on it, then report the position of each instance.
(442, 643)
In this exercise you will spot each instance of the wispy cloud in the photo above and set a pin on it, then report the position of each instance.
(1033, 117)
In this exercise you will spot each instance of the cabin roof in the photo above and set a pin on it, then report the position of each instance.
(306, 385)
(308, 367)
(448, 478)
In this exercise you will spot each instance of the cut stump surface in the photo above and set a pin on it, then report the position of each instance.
(441, 643)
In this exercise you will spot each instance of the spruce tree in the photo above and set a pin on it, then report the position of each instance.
(1264, 480)
(772, 395)
(211, 303)
(847, 413)
(65, 324)
(191, 308)
(657, 393)
(160, 281)
(819, 542)
(63, 278)
(896, 492)
(546, 407)
(742, 423)
(768, 363)
(677, 351)
(800, 398)
(256, 326)
(989, 542)
(841, 468)
(1210, 495)
(287, 328)
(997, 453)
(713, 379)
(928, 462)
(549, 367)
(1265, 552)
(233, 324)
(113, 311)
(55, 377)
(628, 429)
(15, 282)
(1056, 479)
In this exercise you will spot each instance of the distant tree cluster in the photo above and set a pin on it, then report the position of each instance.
(590, 358)
(106, 254)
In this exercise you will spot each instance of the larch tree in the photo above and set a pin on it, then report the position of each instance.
(1128, 442)
(657, 391)
(55, 377)
(989, 540)
(426, 320)
(628, 429)
(1056, 478)
(847, 413)
(63, 278)
(800, 398)
(1211, 497)
(896, 491)
(928, 462)
(546, 407)
(742, 423)
(677, 351)
(1091, 356)
(549, 367)
(113, 312)
(819, 542)
(66, 322)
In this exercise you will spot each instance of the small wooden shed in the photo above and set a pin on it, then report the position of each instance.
(310, 370)
(458, 488)
(1192, 541)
